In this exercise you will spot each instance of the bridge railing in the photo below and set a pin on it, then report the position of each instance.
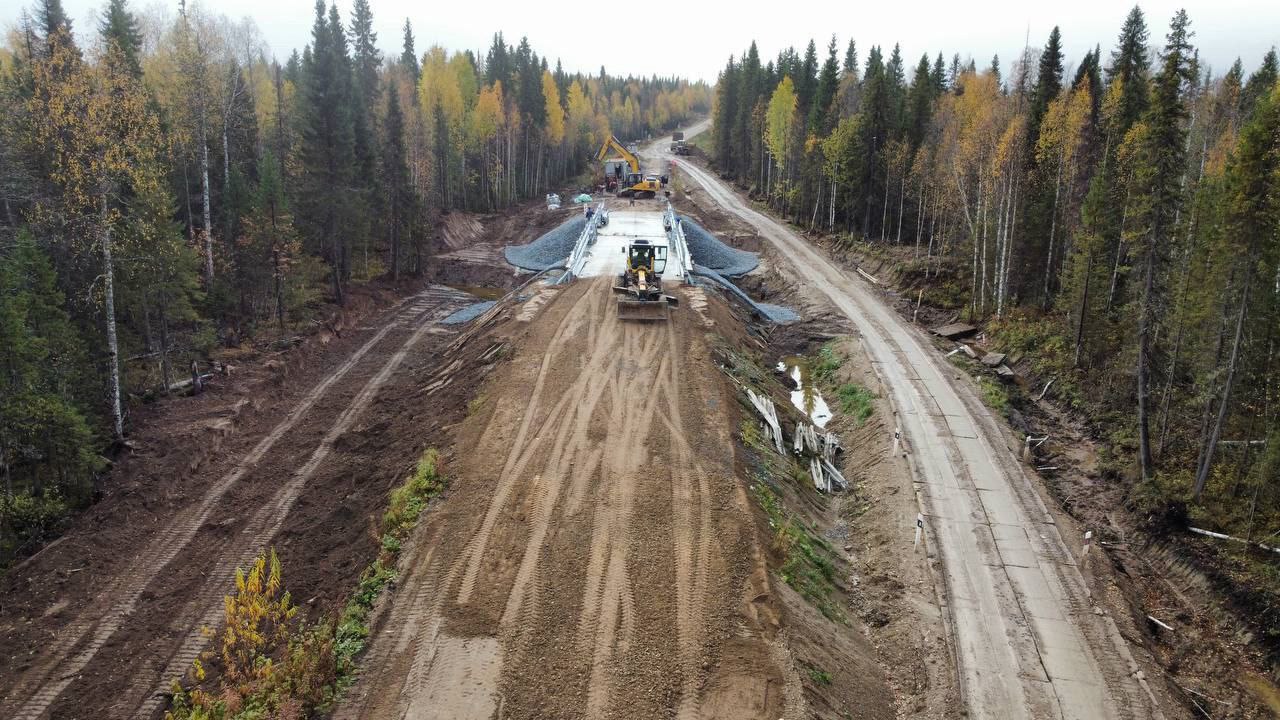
(679, 246)
(578, 256)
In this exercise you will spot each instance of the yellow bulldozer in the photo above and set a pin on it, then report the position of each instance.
(640, 283)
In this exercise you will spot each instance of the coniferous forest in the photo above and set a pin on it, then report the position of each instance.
(168, 188)
(1114, 217)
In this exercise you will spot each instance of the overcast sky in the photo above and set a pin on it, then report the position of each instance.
(695, 39)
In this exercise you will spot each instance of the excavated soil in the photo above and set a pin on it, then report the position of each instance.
(597, 555)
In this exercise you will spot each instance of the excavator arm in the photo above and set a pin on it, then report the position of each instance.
(611, 146)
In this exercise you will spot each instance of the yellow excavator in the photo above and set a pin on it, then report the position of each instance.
(633, 183)
(641, 282)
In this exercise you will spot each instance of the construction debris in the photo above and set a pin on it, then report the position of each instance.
(770, 414)
(1004, 373)
(993, 359)
(822, 450)
(954, 331)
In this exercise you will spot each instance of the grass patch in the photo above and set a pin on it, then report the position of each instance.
(856, 401)
(807, 564)
(994, 394)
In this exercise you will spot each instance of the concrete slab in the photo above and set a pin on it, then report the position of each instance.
(606, 255)
(1001, 507)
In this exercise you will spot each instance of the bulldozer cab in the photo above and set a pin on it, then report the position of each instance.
(643, 255)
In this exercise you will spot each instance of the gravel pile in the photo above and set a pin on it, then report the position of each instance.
(709, 252)
(549, 250)
(777, 313)
(773, 313)
(468, 313)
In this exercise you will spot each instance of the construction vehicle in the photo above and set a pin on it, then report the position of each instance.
(641, 282)
(633, 183)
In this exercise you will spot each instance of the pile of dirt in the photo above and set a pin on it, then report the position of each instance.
(468, 247)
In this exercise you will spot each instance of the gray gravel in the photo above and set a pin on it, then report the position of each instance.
(773, 313)
(468, 313)
(549, 250)
(709, 252)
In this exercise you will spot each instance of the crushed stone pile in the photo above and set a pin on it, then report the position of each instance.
(710, 253)
(549, 250)
(468, 313)
(773, 313)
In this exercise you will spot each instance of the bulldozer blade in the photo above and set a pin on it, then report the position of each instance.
(642, 310)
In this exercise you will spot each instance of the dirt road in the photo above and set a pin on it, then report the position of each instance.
(137, 624)
(1029, 644)
(595, 557)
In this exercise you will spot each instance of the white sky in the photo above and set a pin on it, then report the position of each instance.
(695, 39)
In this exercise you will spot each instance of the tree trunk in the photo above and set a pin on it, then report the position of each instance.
(1053, 230)
(1084, 304)
(902, 193)
(109, 309)
(208, 214)
(1144, 361)
(1206, 462)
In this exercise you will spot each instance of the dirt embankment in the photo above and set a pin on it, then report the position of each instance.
(468, 246)
(598, 553)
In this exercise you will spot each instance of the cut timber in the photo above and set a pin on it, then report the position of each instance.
(993, 359)
(954, 330)
(770, 414)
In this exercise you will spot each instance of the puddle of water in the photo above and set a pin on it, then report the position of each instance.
(484, 293)
(805, 397)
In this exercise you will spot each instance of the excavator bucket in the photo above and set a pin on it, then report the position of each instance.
(651, 310)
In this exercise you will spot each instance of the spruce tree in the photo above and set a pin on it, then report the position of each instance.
(1130, 65)
(1260, 84)
(920, 103)
(850, 66)
(1048, 84)
(1160, 178)
(120, 27)
(408, 55)
(327, 146)
(821, 119)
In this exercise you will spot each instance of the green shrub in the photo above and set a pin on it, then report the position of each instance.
(828, 362)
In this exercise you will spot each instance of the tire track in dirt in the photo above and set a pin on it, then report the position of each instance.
(267, 521)
(87, 635)
(570, 566)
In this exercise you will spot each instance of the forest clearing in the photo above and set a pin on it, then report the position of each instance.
(457, 384)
